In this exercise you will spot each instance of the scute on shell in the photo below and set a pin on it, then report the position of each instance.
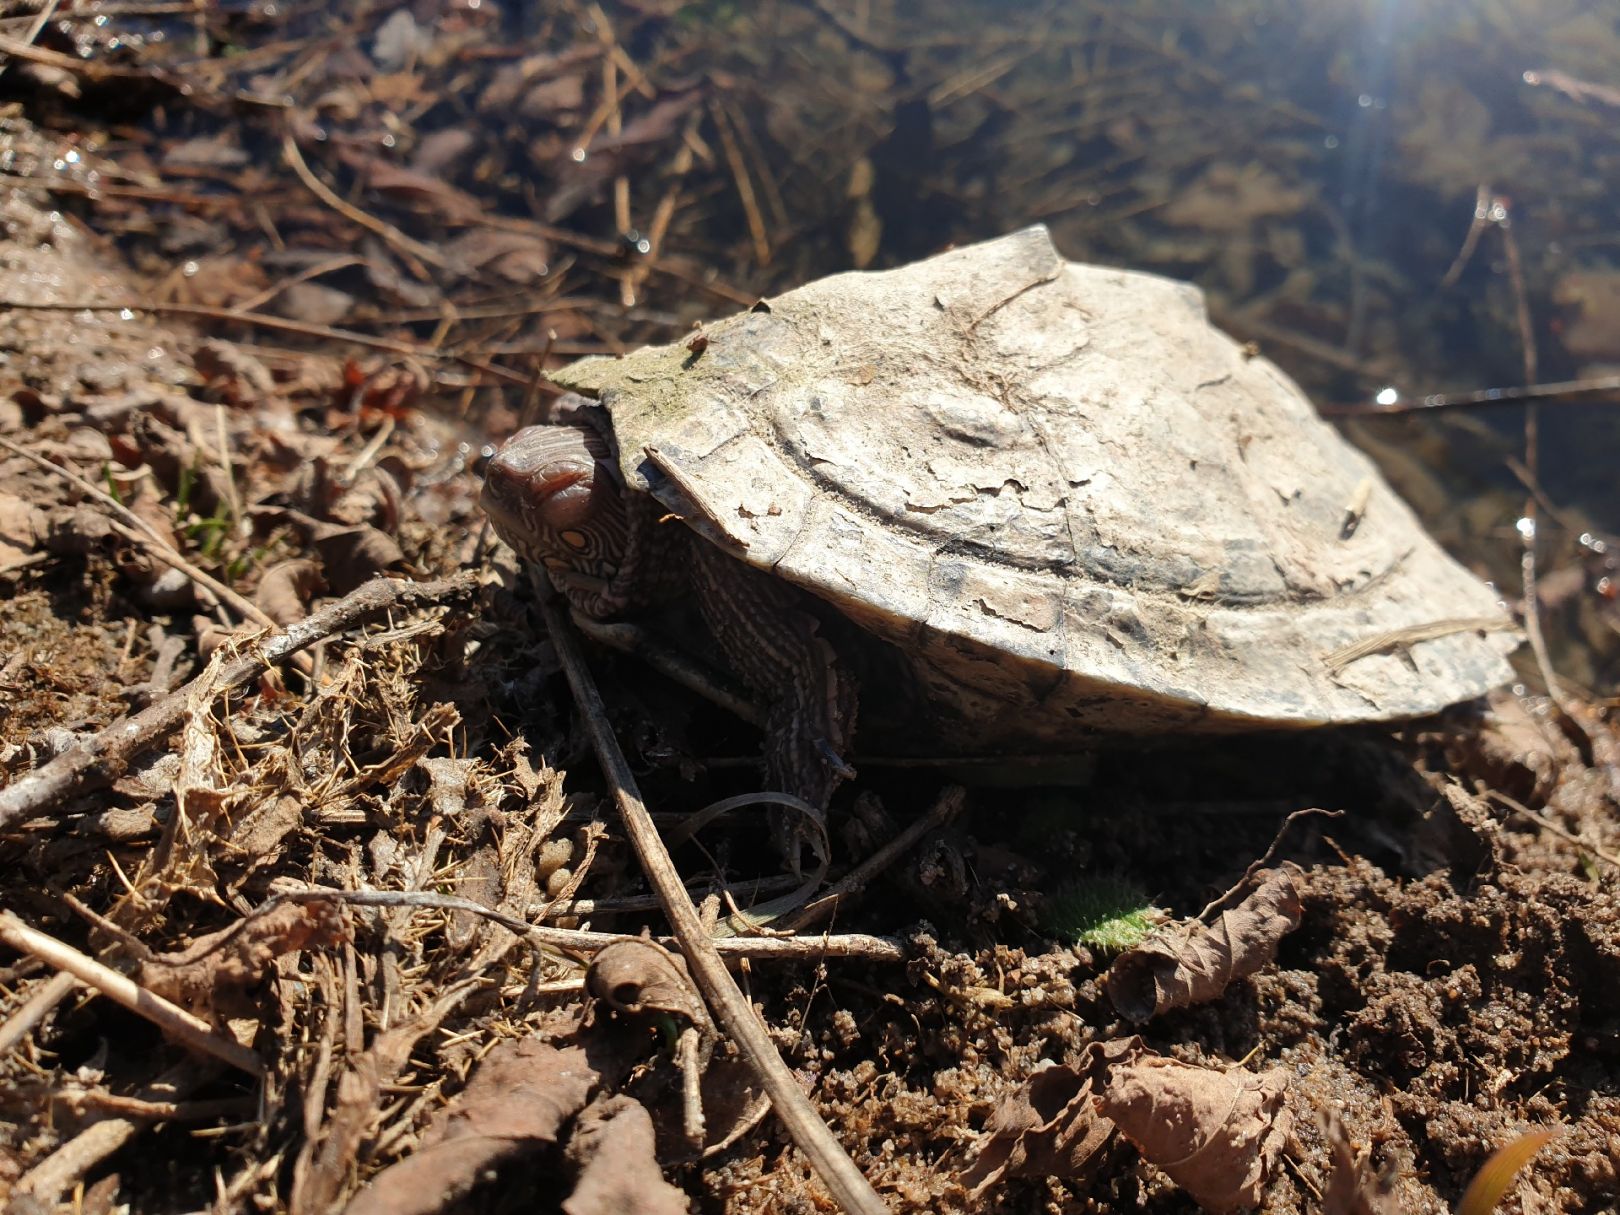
(1075, 503)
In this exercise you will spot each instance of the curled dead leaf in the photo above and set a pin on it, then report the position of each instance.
(613, 1147)
(213, 976)
(639, 977)
(521, 1096)
(1191, 962)
(1049, 1126)
(1215, 1134)
(286, 588)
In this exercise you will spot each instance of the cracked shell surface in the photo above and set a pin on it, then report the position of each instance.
(1066, 497)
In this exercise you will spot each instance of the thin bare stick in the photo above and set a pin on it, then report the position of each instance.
(581, 944)
(50, 1178)
(946, 807)
(176, 1022)
(1552, 828)
(401, 243)
(35, 1009)
(103, 757)
(626, 903)
(732, 1010)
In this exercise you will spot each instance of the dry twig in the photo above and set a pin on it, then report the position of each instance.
(581, 943)
(189, 1030)
(732, 1010)
(101, 758)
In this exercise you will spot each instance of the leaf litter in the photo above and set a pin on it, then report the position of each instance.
(1433, 973)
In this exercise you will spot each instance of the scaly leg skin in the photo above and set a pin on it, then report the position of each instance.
(775, 645)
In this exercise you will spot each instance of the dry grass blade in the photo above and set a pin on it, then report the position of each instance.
(732, 1010)
(1495, 1176)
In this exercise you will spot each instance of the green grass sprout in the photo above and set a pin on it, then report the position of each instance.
(1107, 913)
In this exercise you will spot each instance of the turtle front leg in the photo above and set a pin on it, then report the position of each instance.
(774, 644)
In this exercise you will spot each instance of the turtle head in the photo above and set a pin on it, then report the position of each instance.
(552, 492)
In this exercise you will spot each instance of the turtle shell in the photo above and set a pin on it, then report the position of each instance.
(1070, 501)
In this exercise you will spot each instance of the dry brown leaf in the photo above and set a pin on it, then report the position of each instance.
(638, 977)
(21, 525)
(258, 833)
(1049, 1126)
(1215, 1134)
(212, 977)
(1352, 1188)
(285, 590)
(1192, 962)
(351, 556)
(613, 1147)
(519, 1098)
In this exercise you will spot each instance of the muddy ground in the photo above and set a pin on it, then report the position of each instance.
(1375, 994)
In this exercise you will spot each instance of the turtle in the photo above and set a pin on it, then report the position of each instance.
(1055, 499)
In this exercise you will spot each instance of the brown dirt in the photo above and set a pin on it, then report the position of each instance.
(1454, 980)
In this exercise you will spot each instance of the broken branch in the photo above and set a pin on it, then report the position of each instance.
(102, 757)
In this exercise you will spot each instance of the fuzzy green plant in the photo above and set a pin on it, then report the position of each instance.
(1102, 912)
